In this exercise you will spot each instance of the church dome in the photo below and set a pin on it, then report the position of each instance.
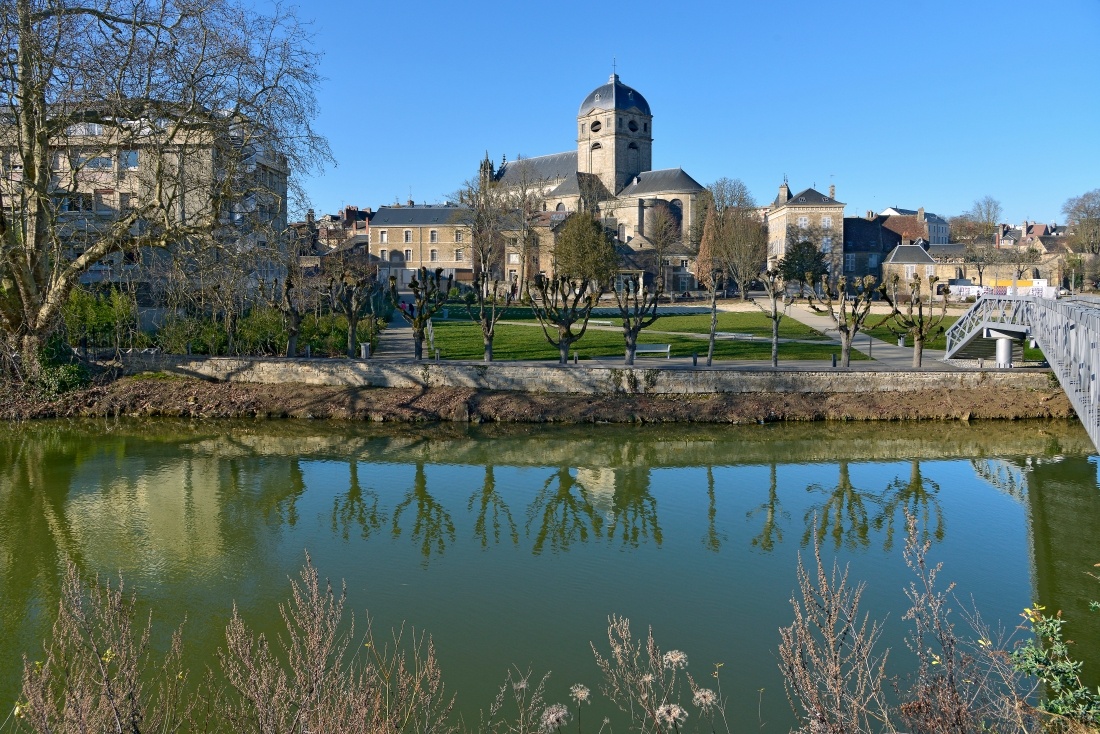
(614, 96)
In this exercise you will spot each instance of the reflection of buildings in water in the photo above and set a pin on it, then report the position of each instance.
(600, 482)
(151, 520)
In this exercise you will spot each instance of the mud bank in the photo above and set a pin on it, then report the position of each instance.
(171, 396)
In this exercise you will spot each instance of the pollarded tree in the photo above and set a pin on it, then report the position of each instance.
(775, 285)
(182, 105)
(490, 301)
(353, 294)
(849, 311)
(920, 321)
(429, 292)
(638, 309)
(562, 304)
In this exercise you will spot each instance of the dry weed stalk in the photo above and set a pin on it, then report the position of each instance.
(831, 671)
(519, 705)
(99, 673)
(322, 687)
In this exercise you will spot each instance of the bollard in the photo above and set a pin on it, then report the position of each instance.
(437, 356)
(981, 364)
(188, 349)
(901, 340)
(870, 344)
(445, 314)
(364, 350)
(695, 359)
(309, 350)
(574, 357)
(834, 361)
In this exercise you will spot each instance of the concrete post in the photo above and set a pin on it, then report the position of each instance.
(1004, 352)
(364, 350)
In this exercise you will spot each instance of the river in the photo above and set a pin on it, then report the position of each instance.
(511, 546)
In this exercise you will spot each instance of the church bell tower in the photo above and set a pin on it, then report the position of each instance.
(614, 134)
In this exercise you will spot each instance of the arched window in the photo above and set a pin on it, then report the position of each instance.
(433, 236)
(596, 146)
(632, 146)
(560, 207)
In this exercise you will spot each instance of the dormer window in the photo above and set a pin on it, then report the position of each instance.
(597, 98)
(802, 198)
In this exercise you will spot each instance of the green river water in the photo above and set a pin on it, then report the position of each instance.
(512, 545)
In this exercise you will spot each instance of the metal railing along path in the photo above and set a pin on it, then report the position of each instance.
(1067, 330)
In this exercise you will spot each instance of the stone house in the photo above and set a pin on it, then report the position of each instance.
(917, 224)
(807, 210)
(867, 242)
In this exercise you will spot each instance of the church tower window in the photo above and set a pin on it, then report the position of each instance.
(596, 126)
(633, 126)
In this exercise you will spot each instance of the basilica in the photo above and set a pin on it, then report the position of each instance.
(611, 169)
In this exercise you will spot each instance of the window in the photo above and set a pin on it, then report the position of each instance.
(683, 263)
(872, 261)
(433, 255)
(94, 163)
(458, 235)
(125, 202)
(433, 236)
(102, 206)
(826, 222)
(383, 237)
(408, 255)
(633, 126)
(80, 203)
(849, 263)
(929, 271)
(382, 255)
(596, 126)
(910, 271)
(458, 256)
(408, 235)
(826, 244)
(560, 207)
(127, 160)
(803, 222)
(513, 257)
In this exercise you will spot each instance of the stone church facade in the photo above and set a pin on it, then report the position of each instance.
(611, 169)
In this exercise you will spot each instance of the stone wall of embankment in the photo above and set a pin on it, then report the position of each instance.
(574, 379)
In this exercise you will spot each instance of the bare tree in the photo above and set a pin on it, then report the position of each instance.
(199, 101)
(429, 292)
(920, 324)
(663, 231)
(560, 304)
(981, 256)
(524, 197)
(740, 243)
(486, 217)
(638, 309)
(775, 285)
(1083, 220)
(986, 214)
(848, 311)
(353, 294)
(487, 297)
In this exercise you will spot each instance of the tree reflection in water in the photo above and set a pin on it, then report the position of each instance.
(772, 531)
(842, 514)
(432, 527)
(564, 511)
(634, 509)
(357, 508)
(493, 516)
(918, 497)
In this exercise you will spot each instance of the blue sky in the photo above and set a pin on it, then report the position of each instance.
(918, 103)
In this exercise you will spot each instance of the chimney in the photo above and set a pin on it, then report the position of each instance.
(870, 214)
(832, 191)
(410, 203)
(784, 193)
(920, 214)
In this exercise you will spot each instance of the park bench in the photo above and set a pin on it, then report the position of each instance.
(598, 322)
(643, 349)
(733, 335)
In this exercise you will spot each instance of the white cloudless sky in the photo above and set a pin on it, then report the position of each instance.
(931, 103)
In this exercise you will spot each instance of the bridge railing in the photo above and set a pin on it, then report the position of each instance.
(987, 310)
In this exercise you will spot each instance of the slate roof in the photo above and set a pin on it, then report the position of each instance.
(571, 186)
(811, 196)
(949, 251)
(551, 167)
(667, 179)
(909, 255)
(414, 216)
(614, 96)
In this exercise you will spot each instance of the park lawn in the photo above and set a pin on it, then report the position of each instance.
(883, 332)
(756, 323)
(462, 341)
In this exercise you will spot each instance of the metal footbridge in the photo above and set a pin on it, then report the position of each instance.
(1066, 329)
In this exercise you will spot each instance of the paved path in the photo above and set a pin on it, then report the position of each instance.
(396, 340)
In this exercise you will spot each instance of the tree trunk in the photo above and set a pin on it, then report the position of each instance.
(353, 329)
(631, 346)
(846, 348)
(418, 344)
(775, 334)
(713, 324)
(918, 350)
(294, 326)
(31, 356)
(563, 351)
(488, 339)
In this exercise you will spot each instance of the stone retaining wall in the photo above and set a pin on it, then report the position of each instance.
(576, 379)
